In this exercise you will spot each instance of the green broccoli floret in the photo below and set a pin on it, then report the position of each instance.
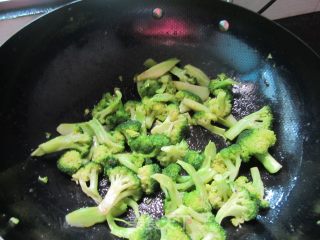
(101, 154)
(220, 105)
(221, 82)
(256, 142)
(130, 129)
(149, 144)
(119, 116)
(70, 162)
(172, 153)
(131, 160)
(260, 119)
(167, 85)
(171, 230)
(198, 226)
(89, 173)
(172, 197)
(145, 229)
(148, 184)
(124, 183)
(158, 70)
(194, 158)
(148, 88)
(174, 127)
(107, 105)
(171, 109)
(205, 119)
(255, 187)
(173, 171)
(228, 161)
(241, 206)
(198, 74)
(78, 141)
(182, 94)
(115, 142)
(219, 191)
(198, 198)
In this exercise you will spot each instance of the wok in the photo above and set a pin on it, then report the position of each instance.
(62, 63)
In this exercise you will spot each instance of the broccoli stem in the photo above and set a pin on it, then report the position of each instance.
(92, 190)
(118, 231)
(199, 75)
(257, 182)
(235, 130)
(268, 161)
(158, 70)
(123, 159)
(193, 105)
(227, 121)
(235, 167)
(149, 63)
(202, 92)
(214, 129)
(69, 128)
(134, 205)
(206, 176)
(85, 217)
(210, 152)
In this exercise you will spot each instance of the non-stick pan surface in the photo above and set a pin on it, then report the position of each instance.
(62, 63)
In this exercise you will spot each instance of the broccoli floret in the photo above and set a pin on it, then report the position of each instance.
(171, 230)
(115, 142)
(175, 128)
(241, 206)
(182, 94)
(119, 116)
(256, 142)
(228, 161)
(221, 82)
(200, 91)
(89, 173)
(260, 119)
(167, 85)
(124, 183)
(148, 184)
(198, 226)
(145, 229)
(172, 197)
(107, 105)
(70, 162)
(78, 141)
(102, 155)
(158, 70)
(220, 105)
(194, 158)
(149, 144)
(130, 129)
(255, 187)
(133, 160)
(148, 88)
(173, 171)
(172, 153)
(198, 74)
(198, 198)
(219, 191)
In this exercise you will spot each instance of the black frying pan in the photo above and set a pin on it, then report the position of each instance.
(62, 63)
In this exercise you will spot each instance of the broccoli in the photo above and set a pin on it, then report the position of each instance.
(43, 180)
(89, 173)
(167, 85)
(241, 206)
(157, 70)
(221, 82)
(196, 199)
(130, 129)
(133, 160)
(220, 105)
(69, 128)
(107, 105)
(171, 230)
(194, 158)
(199, 226)
(148, 88)
(85, 217)
(260, 119)
(200, 91)
(228, 161)
(100, 154)
(173, 171)
(148, 184)
(219, 191)
(199, 75)
(172, 197)
(115, 141)
(119, 116)
(137, 112)
(124, 183)
(70, 162)
(78, 141)
(175, 128)
(182, 94)
(145, 229)
(256, 142)
(149, 144)
(172, 153)
(255, 187)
